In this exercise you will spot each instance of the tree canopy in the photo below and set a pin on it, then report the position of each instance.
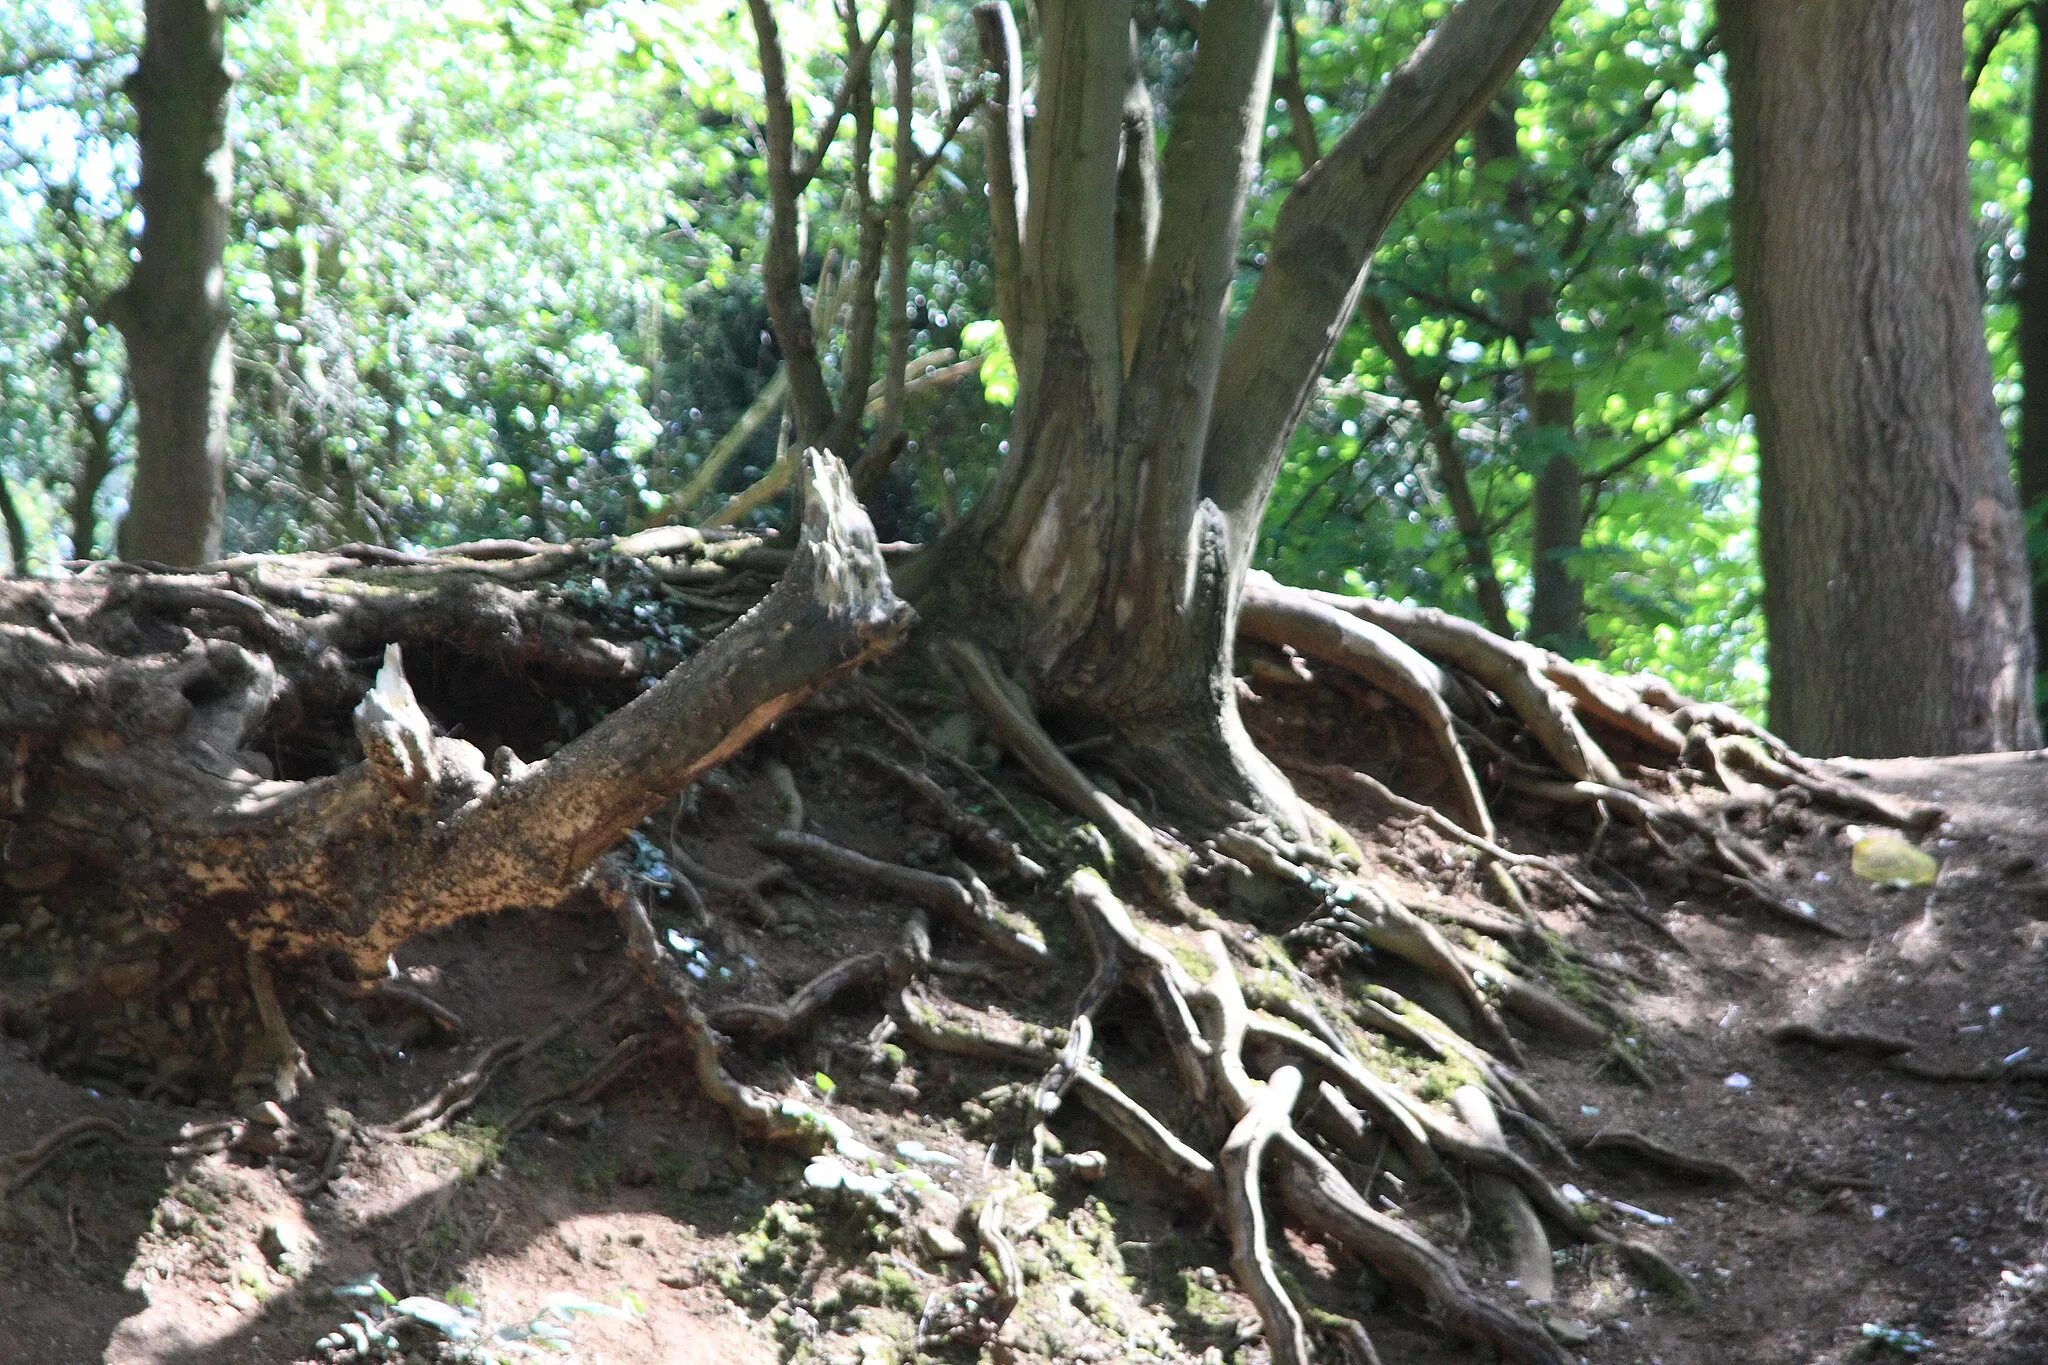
(496, 271)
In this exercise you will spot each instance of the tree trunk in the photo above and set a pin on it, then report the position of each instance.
(1895, 579)
(1106, 561)
(2033, 329)
(1549, 442)
(17, 530)
(174, 310)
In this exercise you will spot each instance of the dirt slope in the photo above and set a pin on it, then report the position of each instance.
(1875, 1196)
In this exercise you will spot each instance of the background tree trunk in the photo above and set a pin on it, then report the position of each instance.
(1557, 605)
(1895, 577)
(2033, 341)
(174, 311)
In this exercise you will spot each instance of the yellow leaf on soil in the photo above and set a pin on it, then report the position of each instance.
(1890, 860)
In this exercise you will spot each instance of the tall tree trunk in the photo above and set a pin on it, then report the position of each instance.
(1895, 576)
(2033, 328)
(1557, 605)
(17, 530)
(174, 310)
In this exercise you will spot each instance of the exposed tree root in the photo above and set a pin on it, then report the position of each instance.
(1529, 1248)
(1009, 716)
(746, 890)
(1270, 1090)
(767, 1021)
(1669, 1160)
(33, 1160)
(1450, 829)
(383, 988)
(631, 1051)
(464, 1089)
(965, 898)
(1289, 616)
(1895, 1053)
(970, 829)
(1251, 1256)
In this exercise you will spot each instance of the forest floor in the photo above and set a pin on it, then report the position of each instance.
(1886, 1214)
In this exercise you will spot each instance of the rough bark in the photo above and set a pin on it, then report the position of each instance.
(1557, 604)
(2033, 344)
(131, 767)
(174, 310)
(1105, 562)
(1895, 579)
(17, 530)
(1009, 194)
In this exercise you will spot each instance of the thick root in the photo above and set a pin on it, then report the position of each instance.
(1292, 617)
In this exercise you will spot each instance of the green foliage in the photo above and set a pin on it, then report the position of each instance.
(495, 270)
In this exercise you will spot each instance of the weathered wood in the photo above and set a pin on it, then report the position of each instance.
(139, 764)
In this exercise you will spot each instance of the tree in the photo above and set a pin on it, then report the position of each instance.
(1104, 563)
(206, 780)
(2032, 461)
(1896, 585)
(174, 309)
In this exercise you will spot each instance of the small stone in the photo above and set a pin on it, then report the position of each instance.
(1088, 1166)
(943, 1243)
(284, 1243)
(1570, 1331)
(270, 1115)
(173, 1216)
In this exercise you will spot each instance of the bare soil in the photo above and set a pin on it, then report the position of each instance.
(1886, 1215)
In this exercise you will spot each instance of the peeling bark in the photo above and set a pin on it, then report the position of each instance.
(134, 768)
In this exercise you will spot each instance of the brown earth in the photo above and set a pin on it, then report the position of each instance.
(1878, 1201)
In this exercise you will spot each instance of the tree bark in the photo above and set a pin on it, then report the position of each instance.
(127, 778)
(17, 530)
(1104, 565)
(1557, 604)
(1895, 577)
(174, 310)
(1450, 469)
(2033, 340)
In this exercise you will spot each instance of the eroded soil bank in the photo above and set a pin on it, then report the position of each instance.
(1894, 1204)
